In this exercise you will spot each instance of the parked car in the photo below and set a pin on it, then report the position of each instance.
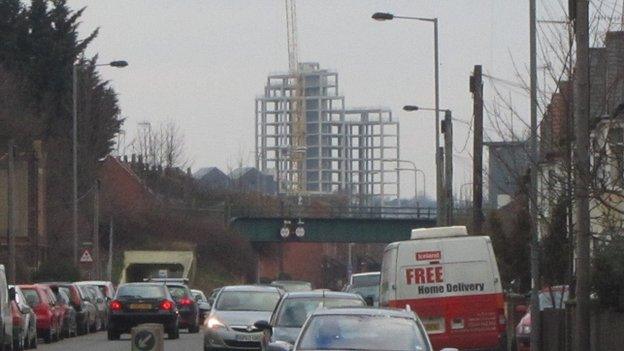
(292, 285)
(553, 297)
(6, 319)
(86, 312)
(93, 295)
(137, 303)
(24, 321)
(107, 288)
(370, 293)
(360, 329)
(230, 325)
(49, 314)
(293, 309)
(70, 325)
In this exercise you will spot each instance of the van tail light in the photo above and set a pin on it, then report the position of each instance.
(185, 301)
(115, 305)
(166, 305)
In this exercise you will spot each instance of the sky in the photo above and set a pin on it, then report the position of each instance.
(203, 62)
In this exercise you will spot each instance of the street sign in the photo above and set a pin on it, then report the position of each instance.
(148, 337)
(86, 256)
(285, 232)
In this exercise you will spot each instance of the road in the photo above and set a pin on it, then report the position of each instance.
(99, 342)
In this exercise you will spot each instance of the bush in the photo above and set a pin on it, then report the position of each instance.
(608, 275)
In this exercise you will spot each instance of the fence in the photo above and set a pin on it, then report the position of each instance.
(607, 330)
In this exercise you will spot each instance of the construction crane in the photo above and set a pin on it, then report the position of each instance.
(297, 106)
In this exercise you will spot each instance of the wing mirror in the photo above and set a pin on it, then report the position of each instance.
(262, 325)
(12, 294)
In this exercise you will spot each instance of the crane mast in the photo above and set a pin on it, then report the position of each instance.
(297, 108)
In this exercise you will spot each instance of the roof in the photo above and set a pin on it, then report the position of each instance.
(259, 288)
(207, 170)
(365, 311)
(325, 294)
(241, 171)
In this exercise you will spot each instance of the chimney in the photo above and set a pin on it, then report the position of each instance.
(125, 158)
(133, 158)
(188, 172)
(140, 159)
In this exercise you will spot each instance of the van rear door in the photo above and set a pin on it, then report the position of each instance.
(387, 286)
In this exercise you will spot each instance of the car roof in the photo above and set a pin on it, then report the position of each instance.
(96, 282)
(266, 288)
(365, 311)
(364, 274)
(290, 282)
(142, 284)
(326, 294)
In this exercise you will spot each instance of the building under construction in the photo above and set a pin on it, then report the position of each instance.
(354, 152)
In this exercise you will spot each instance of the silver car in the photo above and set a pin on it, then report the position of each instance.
(230, 324)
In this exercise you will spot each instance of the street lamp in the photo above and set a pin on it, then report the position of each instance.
(415, 170)
(75, 67)
(445, 207)
(384, 16)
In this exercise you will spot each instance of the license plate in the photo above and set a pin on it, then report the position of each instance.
(250, 337)
(140, 306)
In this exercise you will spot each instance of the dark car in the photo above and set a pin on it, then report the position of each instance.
(293, 309)
(86, 312)
(24, 321)
(138, 303)
(360, 329)
(202, 303)
(187, 306)
(94, 296)
(230, 325)
(70, 325)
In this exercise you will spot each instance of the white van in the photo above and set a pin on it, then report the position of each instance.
(451, 281)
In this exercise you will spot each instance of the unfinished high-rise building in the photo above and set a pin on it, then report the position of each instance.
(354, 152)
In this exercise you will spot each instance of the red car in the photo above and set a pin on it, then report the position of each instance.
(49, 313)
(553, 297)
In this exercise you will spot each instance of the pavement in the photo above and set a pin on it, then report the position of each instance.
(99, 342)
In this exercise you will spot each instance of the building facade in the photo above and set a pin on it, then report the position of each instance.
(347, 151)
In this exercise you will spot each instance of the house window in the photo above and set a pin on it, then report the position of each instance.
(616, 156)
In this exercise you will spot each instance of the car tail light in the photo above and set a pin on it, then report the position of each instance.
(166, 305)
(115, 305)
(185, 301)
(502, 320)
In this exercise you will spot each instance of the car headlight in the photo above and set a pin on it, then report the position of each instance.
(526, 329)
(214, 323)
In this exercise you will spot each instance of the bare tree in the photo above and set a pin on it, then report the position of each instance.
(161, 146)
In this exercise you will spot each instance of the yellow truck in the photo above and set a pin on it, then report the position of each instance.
(142, 265)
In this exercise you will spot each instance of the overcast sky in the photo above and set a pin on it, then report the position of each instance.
(203, 62)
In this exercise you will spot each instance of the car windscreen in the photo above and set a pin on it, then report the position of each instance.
(359, 332)
(295, 311)
(247, 301)
(553, 299)
(32, 297)
(141, 292)
(366, 280)
(177, 292)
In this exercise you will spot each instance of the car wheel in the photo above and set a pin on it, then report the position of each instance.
(113, 334)
(47, 337)
(174, 333)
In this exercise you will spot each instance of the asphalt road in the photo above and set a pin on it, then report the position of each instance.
(99, 342)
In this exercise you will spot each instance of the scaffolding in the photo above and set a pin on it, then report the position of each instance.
(353, 152)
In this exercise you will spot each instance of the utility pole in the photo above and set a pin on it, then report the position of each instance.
(582, 167)
(440, 198)
(12, 215)
(476, 88)
(535, 274)
(96, 230)
(448, 165)
(109, 264)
